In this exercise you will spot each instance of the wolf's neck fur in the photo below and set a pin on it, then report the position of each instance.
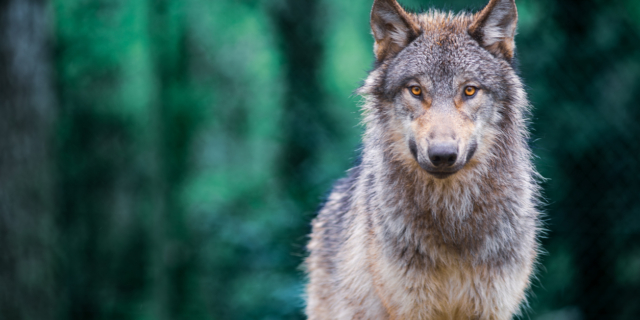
(477, 215)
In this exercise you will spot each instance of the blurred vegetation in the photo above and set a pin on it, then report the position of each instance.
(162, 159)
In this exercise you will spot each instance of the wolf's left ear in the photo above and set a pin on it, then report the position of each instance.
(392, 27)
(495, 28)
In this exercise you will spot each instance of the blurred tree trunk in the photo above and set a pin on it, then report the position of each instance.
(586, 216)
(177, 120)
(593, 239)
(111, 186)
(306, 123)
(26, 193)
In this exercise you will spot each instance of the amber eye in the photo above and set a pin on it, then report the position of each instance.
(469, 91)
(415, 90)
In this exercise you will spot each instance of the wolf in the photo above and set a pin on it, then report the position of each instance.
(440, 218)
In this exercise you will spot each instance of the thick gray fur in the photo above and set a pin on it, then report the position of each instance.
(404, 238)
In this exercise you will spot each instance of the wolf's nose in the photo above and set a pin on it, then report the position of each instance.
(443, 155)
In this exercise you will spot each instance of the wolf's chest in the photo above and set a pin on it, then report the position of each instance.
(441, 291)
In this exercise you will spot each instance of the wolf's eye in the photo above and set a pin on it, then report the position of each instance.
(470, 91)
(415, 90)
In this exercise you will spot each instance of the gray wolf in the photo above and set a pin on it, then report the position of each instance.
(440, 218)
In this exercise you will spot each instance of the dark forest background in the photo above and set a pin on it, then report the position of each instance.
(162, 159)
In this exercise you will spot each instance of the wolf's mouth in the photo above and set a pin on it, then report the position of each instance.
(441, 174)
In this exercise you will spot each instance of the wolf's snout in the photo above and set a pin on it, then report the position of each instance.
(443, 155)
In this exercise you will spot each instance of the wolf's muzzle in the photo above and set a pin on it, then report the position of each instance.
(443, 155)
(440, 159)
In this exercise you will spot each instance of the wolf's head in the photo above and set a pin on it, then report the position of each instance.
(444, 94)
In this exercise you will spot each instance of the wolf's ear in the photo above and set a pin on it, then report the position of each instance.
(393, 28)
(495, 28)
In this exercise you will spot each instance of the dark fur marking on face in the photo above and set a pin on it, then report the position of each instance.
(413, 148)
(472, 150)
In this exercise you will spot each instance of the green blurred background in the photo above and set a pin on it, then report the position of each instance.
(162, 159)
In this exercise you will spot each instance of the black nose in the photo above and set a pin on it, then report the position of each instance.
(443, 155)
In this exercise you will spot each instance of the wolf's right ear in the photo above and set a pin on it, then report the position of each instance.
(393, 28)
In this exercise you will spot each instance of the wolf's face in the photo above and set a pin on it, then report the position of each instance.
(444, 93)
(443, 81)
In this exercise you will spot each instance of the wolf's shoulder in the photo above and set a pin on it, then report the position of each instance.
(334, 215)
(340, 198)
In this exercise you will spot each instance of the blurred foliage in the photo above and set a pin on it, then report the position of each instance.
(194, 140)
